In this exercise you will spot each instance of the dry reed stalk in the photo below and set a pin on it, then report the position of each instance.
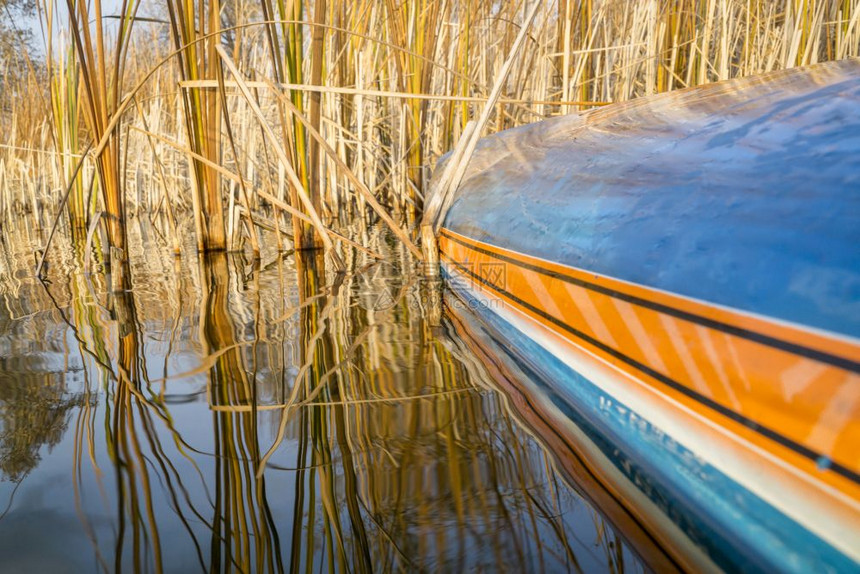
(190, 27)
(285, 16)
(317, 60)
(363, 60)
(459, 161)
(314, 89)
(297, 184)
(296, 213)
(341, 165)
(101, 81)
(163, 180)
(415, 24)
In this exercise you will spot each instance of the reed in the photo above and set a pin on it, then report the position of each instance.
(379, 88)
(285, 41)
(195, 35)
(415, 26)
(101, 65)
(66, 121)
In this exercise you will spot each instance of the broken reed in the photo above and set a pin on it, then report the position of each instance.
(386, 87)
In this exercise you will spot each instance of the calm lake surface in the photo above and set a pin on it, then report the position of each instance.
(226, 415)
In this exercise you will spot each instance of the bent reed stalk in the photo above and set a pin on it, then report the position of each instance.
(345, 105)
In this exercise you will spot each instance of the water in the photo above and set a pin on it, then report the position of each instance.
(226, 415)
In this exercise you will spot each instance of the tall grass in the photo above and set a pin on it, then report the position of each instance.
(101, 66)
(66, 122)
(387, 87)
(194, 30)
(285, 41)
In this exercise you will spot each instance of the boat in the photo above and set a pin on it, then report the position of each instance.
(672, 285)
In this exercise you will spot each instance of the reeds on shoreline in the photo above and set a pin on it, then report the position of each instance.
(387, 87)
(350, 102)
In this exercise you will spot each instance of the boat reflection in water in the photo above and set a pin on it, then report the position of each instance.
(225, 415)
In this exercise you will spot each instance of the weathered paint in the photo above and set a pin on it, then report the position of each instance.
(692, 259)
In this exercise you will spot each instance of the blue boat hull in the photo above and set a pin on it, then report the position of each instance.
(677, 279)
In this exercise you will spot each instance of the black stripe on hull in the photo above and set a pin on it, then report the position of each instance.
(764, 431)
(787, 346)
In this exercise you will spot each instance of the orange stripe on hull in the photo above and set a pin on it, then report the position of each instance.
(792, 392)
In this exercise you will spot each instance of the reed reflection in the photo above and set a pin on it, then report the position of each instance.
(244, 534)
(233, 416)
